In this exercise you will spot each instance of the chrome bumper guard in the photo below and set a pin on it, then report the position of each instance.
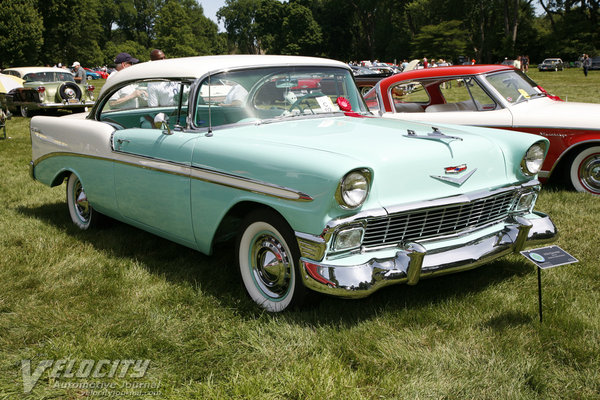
(413, 262)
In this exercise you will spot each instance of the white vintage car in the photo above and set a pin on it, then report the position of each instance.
(498, 96)
(282, 154)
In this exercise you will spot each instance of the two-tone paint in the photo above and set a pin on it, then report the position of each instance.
(571, 127)
(182, 184)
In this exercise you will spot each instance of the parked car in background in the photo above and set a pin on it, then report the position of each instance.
(103, 74)
(91, 74)
(318, 194)
(47, 88)
(551, 64)
(595, 63)
(502, 97)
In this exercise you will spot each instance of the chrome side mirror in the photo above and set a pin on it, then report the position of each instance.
(161, 121)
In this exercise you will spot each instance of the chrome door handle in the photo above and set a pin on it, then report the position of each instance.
(121, 141)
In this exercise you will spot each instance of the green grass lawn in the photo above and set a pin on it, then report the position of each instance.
(119, 293)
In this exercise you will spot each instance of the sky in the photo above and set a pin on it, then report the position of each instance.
(210, 10)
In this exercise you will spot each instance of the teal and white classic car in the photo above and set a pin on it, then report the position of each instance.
(281, 153)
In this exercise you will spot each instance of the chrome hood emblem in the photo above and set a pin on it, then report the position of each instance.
(435, 135)
(459, 169)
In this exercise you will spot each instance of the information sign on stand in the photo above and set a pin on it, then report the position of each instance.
(545, 258)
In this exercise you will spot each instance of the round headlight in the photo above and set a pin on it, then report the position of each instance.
(354, 189)
(534, 158)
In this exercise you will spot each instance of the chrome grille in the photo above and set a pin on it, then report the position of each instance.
(437, 221)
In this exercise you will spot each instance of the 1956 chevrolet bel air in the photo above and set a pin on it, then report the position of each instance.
(324, 196)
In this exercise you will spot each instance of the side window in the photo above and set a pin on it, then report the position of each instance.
(409, 92)
(133, 96)
(465, 94)
(409, 97)
(136, 104)
(223, 101)
(372, 101)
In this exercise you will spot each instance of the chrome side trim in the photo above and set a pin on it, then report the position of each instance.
(247, 184)
(197, 173)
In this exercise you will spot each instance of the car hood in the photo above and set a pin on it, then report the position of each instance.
(548, 113)
(405, 168)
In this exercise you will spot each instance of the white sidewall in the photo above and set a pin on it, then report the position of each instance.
(244, 250)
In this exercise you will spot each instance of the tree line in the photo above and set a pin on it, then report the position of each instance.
(34, 32)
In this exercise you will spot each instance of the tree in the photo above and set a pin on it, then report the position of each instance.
(71, 32)
(21, 33)
(240, 23)
(182, 30)
(302, 33)
(446, 40)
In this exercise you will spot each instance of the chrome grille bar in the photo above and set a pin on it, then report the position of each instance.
(437, 221)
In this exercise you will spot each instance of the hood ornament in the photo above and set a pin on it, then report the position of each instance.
(436, 135)
(459, 169)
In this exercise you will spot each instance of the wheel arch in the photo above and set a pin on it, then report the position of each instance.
(61, 176)
(565, 159)
(230, 222)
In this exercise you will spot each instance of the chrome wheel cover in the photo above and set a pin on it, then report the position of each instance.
(589, 173)
(270, 266)
(82, 206)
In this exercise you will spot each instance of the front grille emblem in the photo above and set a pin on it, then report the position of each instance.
(456, 170)
(459, 169)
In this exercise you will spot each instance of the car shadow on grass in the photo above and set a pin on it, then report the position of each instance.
(217, 275)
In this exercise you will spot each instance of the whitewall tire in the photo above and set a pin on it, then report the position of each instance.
(585, 171)
(268, 258)
(81, 212)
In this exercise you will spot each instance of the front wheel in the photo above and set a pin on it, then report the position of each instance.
(585, 171)
(81, 212)
(268, 258)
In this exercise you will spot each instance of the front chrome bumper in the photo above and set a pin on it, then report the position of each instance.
(413, 261)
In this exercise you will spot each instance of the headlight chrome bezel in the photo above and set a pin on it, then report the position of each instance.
(534, 157)
(353, 181)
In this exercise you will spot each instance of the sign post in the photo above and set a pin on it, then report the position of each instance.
(545, 258)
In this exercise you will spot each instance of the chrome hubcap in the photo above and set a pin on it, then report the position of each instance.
(82, 206)
(589, 173)
(70, 93)
(270, 266)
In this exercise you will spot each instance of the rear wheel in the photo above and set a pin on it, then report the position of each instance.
(585, 171)
(81, 212)
(268, 258)
(25, 112)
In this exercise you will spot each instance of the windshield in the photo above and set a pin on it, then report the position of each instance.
(267, 94)
(514, 86)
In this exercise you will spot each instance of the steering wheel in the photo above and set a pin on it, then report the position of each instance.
(304, 99)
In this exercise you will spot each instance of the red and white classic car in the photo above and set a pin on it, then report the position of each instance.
(499, 96)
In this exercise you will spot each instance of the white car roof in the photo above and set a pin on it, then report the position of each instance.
(196, 67)
(26, 70)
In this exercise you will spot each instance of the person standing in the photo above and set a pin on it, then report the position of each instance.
(586, 64)
(123, 60)
(161, 93)
(156, 55)
(79, 73)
